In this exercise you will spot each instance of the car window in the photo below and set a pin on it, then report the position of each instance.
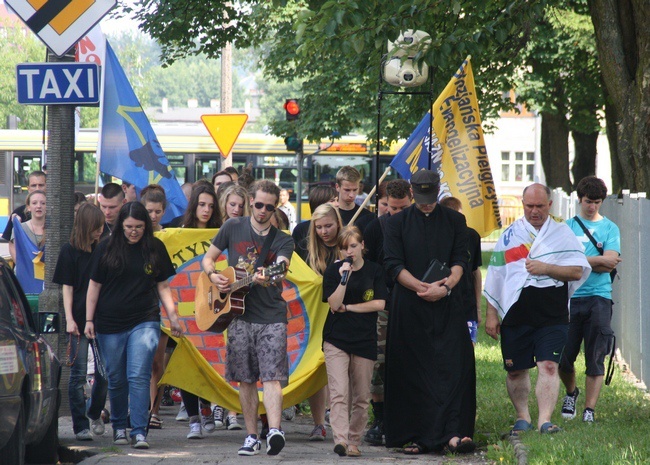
(13, 300)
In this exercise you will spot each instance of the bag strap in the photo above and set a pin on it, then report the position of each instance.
(591, 238)
(610, 367)
(266, 247)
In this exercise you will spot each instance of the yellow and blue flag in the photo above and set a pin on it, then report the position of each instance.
(457, 151)
(29, 261)
(129, 148)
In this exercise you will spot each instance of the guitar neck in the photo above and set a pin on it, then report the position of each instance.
(247, 281)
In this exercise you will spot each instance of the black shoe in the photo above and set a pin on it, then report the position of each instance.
(375, 435)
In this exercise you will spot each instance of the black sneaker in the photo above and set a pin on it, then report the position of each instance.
(569, 405)
(588, 415)
(274, 441)
(251, 446)
(375, 435)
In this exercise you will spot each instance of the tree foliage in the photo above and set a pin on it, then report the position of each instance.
(335, 49)
(560, 78)
(18, 46)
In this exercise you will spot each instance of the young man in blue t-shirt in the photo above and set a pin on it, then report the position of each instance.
(591, 305)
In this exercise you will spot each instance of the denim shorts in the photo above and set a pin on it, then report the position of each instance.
(256, 352)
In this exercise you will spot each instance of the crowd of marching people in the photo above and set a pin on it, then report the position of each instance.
(403, 289)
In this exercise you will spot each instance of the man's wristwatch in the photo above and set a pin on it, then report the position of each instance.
(448, 290)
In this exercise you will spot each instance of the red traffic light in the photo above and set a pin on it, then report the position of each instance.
(292, 108)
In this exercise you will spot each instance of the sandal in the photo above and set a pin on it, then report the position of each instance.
(549, 428)
(414, 449)
(155, 422)
(520, 426)
(353, 451)
(463, 446)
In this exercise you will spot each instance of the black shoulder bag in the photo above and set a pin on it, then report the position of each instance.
(610, 366)
(599, 247)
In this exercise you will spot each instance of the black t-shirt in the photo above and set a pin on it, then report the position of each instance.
(362, 220)
(467, 281)
(9, 229)
(354, 333)
(300, 236)
(72, 270)
(128, 296)
(539, 307)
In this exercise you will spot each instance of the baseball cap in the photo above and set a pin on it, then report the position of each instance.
(426, 185)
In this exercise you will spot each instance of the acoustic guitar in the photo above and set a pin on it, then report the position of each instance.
(214, 310)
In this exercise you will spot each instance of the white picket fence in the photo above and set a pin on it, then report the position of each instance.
(631, 320)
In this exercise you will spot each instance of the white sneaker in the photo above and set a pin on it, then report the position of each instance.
(251, 446)
(139, 442)
(182, 414)
(274, 441)
(84, 435)
(97, 426)
(195, 429)
(207, 419)
(232, 424)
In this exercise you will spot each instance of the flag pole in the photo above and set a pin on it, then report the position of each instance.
(370, 194)
(101, 120)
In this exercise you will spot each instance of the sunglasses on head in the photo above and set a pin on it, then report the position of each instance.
(268, 206)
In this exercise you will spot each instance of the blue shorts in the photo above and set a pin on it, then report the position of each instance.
(522, 347)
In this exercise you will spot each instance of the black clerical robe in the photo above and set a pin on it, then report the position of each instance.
(430, 384)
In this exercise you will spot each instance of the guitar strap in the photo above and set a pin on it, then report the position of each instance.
(266, 247)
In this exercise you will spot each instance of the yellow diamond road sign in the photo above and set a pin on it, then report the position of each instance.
(225, 129)
(61, 23)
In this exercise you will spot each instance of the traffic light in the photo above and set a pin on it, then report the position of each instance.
(292, 109)
(293, 143)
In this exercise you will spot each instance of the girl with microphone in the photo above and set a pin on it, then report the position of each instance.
(355, 290)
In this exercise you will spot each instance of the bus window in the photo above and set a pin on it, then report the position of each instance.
(205, 168)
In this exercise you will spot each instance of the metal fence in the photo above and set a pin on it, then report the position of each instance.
(631, 320)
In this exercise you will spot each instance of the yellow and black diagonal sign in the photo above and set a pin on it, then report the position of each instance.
(60, 23)
(60, 14)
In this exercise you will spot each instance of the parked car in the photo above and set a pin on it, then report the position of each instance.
(29, 378)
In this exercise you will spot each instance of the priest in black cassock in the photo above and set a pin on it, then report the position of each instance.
(430, 391)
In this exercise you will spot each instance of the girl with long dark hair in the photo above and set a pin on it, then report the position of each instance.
(128, 278)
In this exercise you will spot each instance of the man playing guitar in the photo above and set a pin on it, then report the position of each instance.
(257, 340)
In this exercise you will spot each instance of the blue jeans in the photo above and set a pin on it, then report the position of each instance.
(78, 406)
(128, 358)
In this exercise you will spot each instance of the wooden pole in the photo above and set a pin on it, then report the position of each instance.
(367, 199)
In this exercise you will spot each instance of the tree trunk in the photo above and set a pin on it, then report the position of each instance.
(623, 40)
(59, 217)
(555, 151)
(584, 162)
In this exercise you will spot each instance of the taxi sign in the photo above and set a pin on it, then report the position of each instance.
(225, 129)
(57, 83)
(60, 23)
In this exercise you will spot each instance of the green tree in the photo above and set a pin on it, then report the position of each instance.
(561, 79)
(18, 46)
(336, 50)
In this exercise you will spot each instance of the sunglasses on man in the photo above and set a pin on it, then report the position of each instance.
(268, 206)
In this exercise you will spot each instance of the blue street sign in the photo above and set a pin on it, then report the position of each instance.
(58, 83)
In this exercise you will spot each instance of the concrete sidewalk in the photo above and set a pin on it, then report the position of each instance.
(170, 447)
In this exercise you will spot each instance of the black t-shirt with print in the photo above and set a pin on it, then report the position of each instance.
(354, 333)
(263, 305)
(128, 296)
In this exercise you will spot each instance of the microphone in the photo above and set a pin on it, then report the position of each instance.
(346, 273)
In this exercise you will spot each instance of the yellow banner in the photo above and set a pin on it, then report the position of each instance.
(459, 149)
(198, 362)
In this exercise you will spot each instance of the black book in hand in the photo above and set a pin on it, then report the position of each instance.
(436, 272)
